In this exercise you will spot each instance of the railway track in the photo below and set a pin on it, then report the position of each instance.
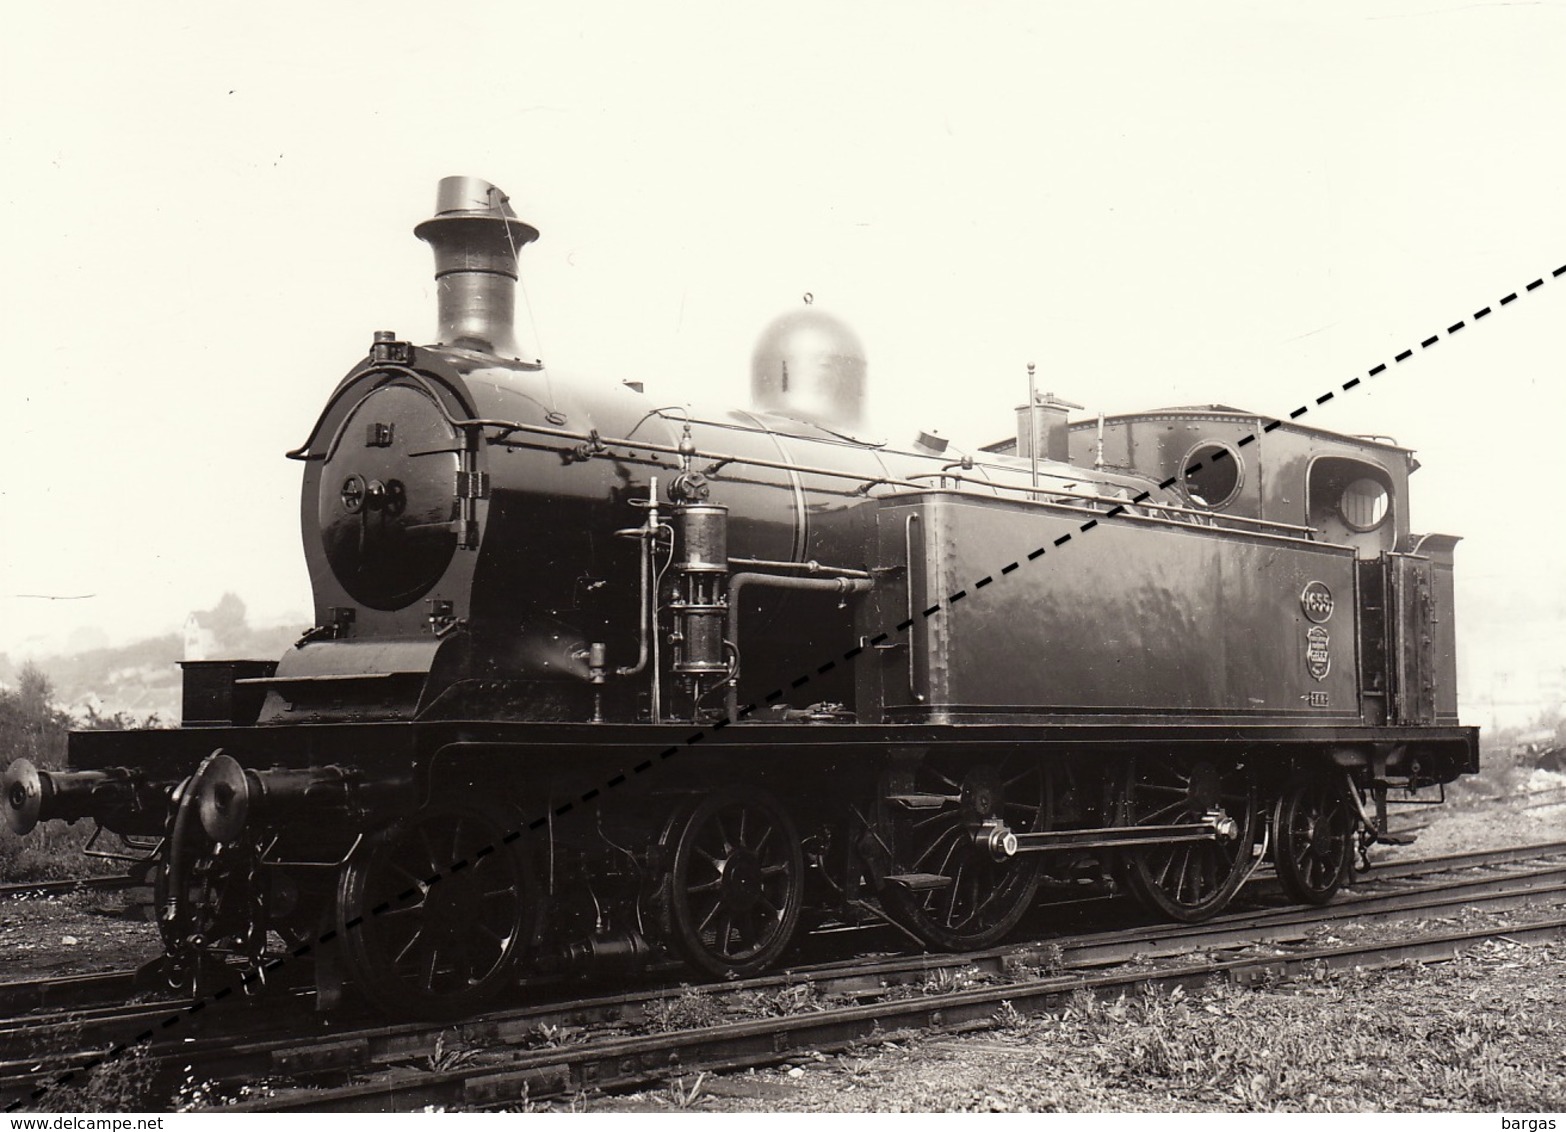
(588, 1042)
(32, 1002)
(631, 1062)
(24, 890)
(1537, 800)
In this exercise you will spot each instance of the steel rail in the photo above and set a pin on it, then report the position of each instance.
(105, 1024)
(23, 889)
(58, 992)
(1535, 800)
(1547, 887)
(348, 1050)
(25, 996)
(625, 1063)
(375, 1048)
(1504, 856)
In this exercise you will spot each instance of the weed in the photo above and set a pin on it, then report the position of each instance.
(951, 980)
(862, 1071)
(680, 1097)
(691, 1010)
(1049, 960)
(1009, 1019)
(785, 1002)
(1039, 961)
(1083, 1004)
(131, 1082)
(446, 1057)
(526, 1103)
(548, 1034)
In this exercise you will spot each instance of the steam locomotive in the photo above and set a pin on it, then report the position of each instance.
(597, 681)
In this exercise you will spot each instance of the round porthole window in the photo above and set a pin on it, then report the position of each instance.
(1212, 474)
(1363, 504)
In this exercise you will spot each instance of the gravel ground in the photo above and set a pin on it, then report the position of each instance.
(73, 934)
(1487, 811)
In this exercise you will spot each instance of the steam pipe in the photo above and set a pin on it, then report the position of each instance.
(641, 616)
(187, 822)
(646, 632)
(644, 534)
(507, 428)
(737, 584)
(1091, 497)
(811, 567)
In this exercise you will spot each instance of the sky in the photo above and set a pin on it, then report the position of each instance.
(207, 210)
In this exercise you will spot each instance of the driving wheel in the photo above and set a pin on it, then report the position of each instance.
(731, 897)
(1189, 880)
(435, 912)
(942, 883)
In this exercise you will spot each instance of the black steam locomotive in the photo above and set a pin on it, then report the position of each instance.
(596, 680)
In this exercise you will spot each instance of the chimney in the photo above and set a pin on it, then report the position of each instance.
(1049, 419)
(476, 238)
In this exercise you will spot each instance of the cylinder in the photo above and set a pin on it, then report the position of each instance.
(619, 953)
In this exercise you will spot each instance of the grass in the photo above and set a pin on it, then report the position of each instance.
(52, 851)
(1486, 1032)
(1262, 1051)
(692, 1009)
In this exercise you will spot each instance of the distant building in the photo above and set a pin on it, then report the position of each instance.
(200, 640)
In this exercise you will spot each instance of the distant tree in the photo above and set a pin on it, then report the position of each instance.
(227, 618)
(31, 726)
(34, 690)
(95, 720)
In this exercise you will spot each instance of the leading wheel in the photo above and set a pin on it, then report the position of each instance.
(210, 896)
(731, 898)
(1189, 881)
(942, 884)
(435, 912)
(1315, 838)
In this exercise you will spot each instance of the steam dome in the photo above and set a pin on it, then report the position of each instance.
(810, 365)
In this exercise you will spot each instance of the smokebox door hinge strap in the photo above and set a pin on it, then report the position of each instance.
(472, 485)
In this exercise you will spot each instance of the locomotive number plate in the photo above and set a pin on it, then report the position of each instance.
(1316, 601)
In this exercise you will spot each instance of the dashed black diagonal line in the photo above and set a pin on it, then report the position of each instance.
(697, 736)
